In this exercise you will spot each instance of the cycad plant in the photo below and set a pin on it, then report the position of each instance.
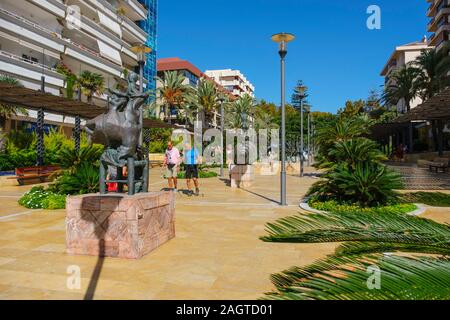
(345, 275)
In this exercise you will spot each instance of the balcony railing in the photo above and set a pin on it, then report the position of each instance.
(19, 58)
(30, 23)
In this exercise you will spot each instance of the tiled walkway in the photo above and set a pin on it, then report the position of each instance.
(216, 253)
(422, 179)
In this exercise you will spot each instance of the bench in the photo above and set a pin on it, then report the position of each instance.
(37, 172)
(156, 163)
(438, 164)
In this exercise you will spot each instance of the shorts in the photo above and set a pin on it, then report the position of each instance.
(171, 171)
(191, 171)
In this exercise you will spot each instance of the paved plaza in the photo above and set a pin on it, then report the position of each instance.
(216, 253)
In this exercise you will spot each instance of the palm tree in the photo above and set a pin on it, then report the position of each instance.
(365, 236)
(91, 83)
(8, 110)
(206, 99)
(403, 87)
(241, 112)
(433, 75)
(173, 92)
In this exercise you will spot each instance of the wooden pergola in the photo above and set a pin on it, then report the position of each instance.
(37, 100)
(46, 102)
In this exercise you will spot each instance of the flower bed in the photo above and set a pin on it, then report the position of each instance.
(39, 198)
(201, 174)
(334, 206)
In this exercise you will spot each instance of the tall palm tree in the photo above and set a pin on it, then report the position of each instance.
(403, 87)
(173, 92)
(91, 83)
(434, 67)
(8, 110)
(206, 99)
(241, 112)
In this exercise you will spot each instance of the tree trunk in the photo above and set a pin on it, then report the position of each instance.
(2, 135)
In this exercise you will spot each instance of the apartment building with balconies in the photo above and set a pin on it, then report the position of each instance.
(401, 57)
(439, 25)
(38, 37)
(232, 80)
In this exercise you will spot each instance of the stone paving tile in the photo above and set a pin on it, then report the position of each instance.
(216, 254)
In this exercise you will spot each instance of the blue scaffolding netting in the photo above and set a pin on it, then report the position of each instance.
(150, 26)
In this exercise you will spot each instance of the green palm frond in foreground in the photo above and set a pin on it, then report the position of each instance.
(381, 232)
(346, 278)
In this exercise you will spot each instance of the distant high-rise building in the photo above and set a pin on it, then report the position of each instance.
(232, 80)
(439, 12)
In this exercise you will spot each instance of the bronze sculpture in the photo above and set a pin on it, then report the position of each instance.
(118, 130)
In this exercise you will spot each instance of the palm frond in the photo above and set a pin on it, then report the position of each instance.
(346, 278)
(364, 227)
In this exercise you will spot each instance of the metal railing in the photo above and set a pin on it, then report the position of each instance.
(19, 58)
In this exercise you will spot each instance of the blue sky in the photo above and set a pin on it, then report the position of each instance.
(335, 54)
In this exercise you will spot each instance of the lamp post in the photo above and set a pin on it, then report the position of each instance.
(141, 50)
(222, 129)
(283, 39)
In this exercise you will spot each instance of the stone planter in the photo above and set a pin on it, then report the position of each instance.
(118, 225)
(241, 176)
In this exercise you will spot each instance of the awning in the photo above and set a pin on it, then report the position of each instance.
(109, 23)
(109, 52)
(35, 100)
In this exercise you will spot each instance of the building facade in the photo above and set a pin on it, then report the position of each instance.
(45, 40)
(192, 76)
(401, 56)
(439, 25)
(233, 81)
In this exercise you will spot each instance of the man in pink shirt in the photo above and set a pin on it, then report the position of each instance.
(172, 160)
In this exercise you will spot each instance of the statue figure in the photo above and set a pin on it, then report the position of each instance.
(118, 129)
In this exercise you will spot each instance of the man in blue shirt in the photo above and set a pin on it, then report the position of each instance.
(191, 160)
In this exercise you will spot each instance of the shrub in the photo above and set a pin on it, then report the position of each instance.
(84, 179)
(368, 185)
(201, 174)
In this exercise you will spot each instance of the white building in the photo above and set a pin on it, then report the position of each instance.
(83, 35)
(401, 56)
(232, 80)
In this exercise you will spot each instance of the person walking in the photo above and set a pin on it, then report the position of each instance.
(192, 160)
(172, 161)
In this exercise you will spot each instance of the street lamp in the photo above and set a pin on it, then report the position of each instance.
(141, 50)
(222, 129)
(283, 39)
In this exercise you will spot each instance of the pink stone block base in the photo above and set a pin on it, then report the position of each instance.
(116, 225)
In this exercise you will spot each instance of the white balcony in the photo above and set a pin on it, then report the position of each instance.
(22, 68)
(53, 6)
(23, 28)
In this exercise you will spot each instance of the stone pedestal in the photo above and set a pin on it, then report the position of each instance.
(242, 176)
(116, 225)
